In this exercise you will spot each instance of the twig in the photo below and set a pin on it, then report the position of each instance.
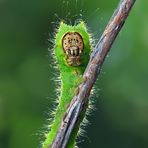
(79, 101)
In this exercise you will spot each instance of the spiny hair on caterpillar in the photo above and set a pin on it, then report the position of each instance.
(83, 125)
(55, 102)
(49, 120)
(92, 97)
(57, 89)
(91, 107)
(47, 126)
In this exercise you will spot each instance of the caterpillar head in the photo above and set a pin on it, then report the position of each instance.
(73, 45)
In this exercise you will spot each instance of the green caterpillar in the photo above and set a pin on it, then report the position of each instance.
(72, 51)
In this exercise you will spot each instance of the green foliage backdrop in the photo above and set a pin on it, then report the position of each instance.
(26, 73)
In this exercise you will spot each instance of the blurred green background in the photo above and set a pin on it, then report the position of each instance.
(26, 73)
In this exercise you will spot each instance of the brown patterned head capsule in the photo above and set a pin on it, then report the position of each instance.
(73, 45)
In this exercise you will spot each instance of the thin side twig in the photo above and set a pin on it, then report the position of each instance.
(79, 101)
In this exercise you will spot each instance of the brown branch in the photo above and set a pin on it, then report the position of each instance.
(78, 103)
